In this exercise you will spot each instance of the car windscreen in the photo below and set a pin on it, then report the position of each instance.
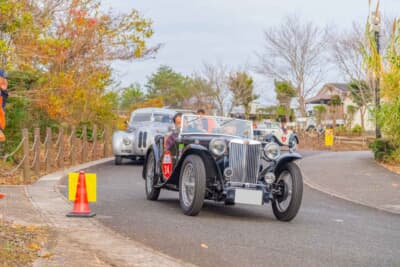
(197, 124)
(140, 117)
(163, 118)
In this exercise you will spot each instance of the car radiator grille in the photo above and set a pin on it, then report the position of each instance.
(142, 140)
(244, 159)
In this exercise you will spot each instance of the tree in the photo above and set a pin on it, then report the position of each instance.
(349, 116)
(346, 53)
(284, 93)
(216, 77)
(334, 103)
(293, 51)
(361, 95)
(319, 111)
(241, 85)
(70, 45)
(201, 92)
(169, 85)
(131, 95)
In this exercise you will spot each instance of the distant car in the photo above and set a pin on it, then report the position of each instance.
(272, 131)
(143, 125)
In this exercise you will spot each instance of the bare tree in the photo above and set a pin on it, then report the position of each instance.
(216, 77)
(294, 52)
(346, 53)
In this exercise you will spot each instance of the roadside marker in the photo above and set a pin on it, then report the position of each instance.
(81, 204)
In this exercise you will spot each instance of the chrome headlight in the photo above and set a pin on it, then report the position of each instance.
(217, 147)
(127, 141)
(272, 151)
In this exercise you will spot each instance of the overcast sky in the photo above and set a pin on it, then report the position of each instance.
(228, 31)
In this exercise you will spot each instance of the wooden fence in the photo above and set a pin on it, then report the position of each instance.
(59, 149)
(317, 142)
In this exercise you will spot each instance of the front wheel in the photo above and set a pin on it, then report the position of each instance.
(287, 202)
(151, 192)
(118, 160)
(192, 185)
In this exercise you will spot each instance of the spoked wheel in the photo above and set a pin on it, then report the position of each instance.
(287, 202)
(151, 192)
(192, 185)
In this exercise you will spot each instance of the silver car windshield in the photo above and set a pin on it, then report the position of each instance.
(213, 125)
(141, 117)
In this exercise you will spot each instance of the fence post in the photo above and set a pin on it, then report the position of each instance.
(106, 138)
(37, 152)
(94, 143)
(73, 156)
(61, 148)
(48, 149)
(84, 143)
(25, 136)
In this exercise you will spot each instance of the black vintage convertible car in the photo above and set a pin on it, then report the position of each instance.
(216, 158)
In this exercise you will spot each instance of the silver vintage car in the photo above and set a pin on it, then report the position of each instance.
(143, 125)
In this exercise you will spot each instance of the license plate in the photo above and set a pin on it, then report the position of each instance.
(246, 196)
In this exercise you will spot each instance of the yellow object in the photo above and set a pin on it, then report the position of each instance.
(90, 186)
(329, 137)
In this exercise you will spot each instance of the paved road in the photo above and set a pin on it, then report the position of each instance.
(326, 232)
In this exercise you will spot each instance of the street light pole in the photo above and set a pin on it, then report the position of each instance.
(376, 22)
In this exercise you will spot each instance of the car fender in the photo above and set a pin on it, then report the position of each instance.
(157, 157)
(285, 159)
(117, 138)
(212, 169)
(293, 136)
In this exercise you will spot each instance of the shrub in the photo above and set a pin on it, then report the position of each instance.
(341, 130)
(357, 129)
(382, 149)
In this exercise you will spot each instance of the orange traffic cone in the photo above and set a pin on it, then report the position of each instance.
(81, 205)
(2, 195)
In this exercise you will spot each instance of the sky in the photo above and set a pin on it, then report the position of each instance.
(229, 32)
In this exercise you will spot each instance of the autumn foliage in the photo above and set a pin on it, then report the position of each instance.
(68, 46)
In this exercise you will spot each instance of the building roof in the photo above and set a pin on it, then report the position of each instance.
(323, 95)
(341, 86)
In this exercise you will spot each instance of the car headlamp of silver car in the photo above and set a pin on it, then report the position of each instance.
(126, 141)
(272, 151)
(218, 146)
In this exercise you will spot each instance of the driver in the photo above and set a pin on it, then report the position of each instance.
(169, 140)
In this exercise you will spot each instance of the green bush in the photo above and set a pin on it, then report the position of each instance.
(341, 130)
(382, 149)
(357, 129)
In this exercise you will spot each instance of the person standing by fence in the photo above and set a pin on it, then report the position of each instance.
(3, 99)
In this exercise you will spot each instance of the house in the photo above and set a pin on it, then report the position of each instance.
(326, 93)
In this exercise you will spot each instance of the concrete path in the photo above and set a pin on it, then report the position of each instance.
(353, 176)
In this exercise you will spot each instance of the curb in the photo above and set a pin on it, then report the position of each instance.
(130, 251)
(327, 191)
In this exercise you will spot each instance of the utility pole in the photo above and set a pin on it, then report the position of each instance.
(376, 26)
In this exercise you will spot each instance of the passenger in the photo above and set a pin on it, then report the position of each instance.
(169, 140)
(208, 124)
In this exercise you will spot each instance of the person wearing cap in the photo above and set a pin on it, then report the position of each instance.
(3, 99)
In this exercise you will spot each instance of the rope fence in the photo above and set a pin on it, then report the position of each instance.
(67, 150)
